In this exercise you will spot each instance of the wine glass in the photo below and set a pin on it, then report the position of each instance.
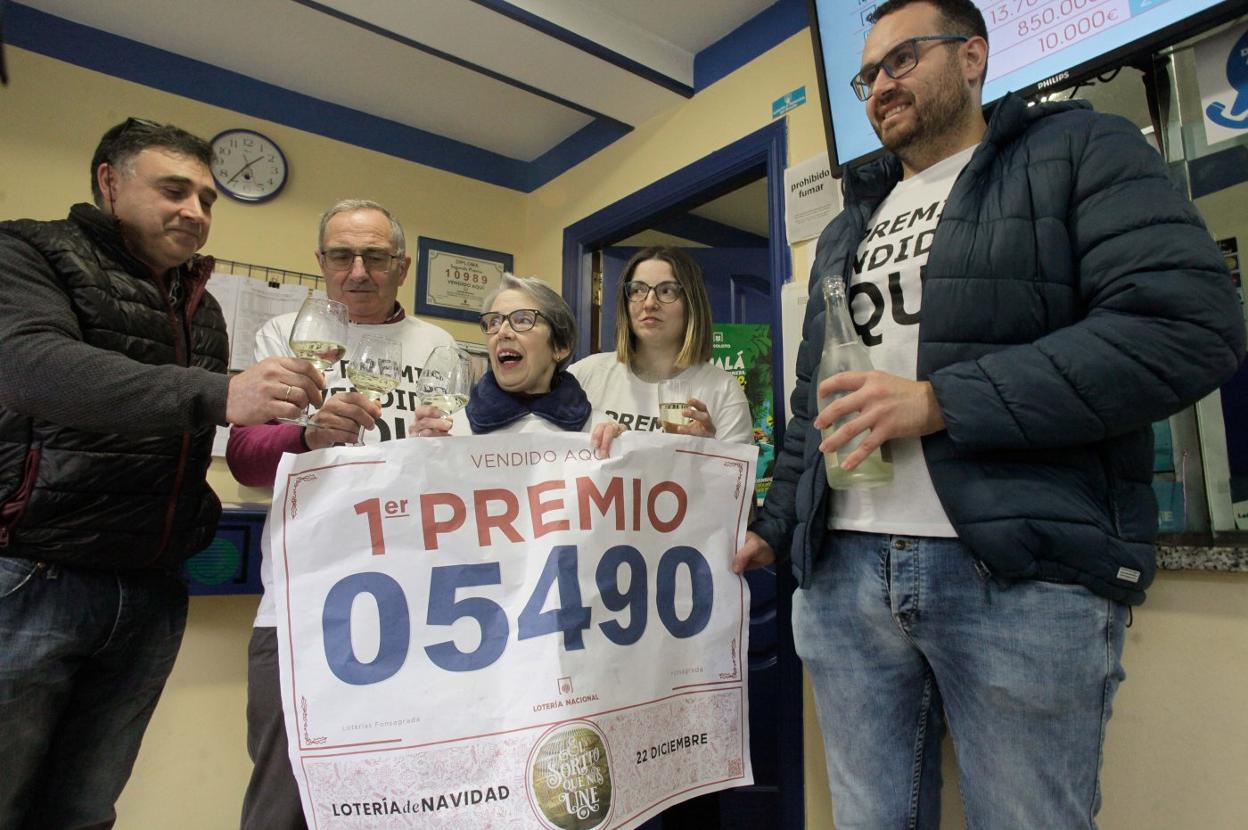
(446, 380)
(318, 336)
(376, 368)
(674, 398)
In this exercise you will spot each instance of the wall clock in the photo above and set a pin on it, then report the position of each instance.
(248, 166)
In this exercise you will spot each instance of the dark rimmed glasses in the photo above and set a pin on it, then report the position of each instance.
(522, 319)
(375, 259)
(667, 292)
(898, 62)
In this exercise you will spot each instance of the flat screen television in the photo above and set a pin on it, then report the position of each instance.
(1033, 46)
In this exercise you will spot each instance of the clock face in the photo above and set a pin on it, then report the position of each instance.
(247, 166)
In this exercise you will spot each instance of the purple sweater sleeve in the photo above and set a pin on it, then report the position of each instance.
(254, 452)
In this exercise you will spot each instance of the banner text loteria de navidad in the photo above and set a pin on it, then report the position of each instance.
(512, 631)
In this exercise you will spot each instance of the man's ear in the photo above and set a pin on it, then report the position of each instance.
(104, 181)
(975, 61)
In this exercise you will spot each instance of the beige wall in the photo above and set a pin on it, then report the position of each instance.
(1177, 753)
(193, 767)
(726, 111)
(52, 114)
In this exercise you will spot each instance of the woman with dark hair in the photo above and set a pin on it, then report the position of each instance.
(663, 332)
(530, 333)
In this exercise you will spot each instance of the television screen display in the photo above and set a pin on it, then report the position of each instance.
(1032, 45)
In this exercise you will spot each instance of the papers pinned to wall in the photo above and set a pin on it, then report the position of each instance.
(247, 304)
(810, 198)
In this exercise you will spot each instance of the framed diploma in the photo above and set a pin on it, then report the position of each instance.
(452, 280)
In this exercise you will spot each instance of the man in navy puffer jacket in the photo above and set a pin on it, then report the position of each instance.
(1034, 293)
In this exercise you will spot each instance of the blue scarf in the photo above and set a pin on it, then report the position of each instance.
(491, 408)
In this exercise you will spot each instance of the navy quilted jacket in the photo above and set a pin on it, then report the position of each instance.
(1072, 297)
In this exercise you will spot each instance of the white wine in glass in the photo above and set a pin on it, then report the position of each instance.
(673, 401)
(320, 354)
(319, 336)
(446, 380)
(371, 385)
(376, 369)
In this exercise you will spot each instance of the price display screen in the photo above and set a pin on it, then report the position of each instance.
(1032, 44)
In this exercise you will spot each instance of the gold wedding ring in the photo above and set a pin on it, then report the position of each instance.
(286, 397)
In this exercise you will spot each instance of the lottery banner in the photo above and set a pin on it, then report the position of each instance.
(512, 631)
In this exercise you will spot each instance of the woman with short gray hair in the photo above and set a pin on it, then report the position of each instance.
(547, 303)
(530, 335)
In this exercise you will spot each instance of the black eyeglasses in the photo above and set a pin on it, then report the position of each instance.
(522, 319)
(667, 292)
(900, 61)
(375, 259)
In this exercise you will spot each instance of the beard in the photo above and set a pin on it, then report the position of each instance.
(939, 113)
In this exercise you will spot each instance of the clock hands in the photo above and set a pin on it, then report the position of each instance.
(246, 165)
(243, 169)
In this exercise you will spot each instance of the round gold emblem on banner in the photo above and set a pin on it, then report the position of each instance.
(570, 777)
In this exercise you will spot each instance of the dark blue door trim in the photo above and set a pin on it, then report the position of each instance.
(763, 152)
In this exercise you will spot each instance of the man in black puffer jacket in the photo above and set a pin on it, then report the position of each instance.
(1033, 293)
(112, 382)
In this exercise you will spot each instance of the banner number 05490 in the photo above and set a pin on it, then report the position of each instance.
(622, 580)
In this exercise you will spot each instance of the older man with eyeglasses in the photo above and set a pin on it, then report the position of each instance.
(363, 257)
(112, 384)
(1034, 293)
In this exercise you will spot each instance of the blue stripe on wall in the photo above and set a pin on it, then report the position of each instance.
(133, 61)
(574, 149)
(130, 60)
(28, 28)
(446, 56)
(765, 30)
(586, 45)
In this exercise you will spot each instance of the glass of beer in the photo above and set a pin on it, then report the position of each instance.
(673, 401)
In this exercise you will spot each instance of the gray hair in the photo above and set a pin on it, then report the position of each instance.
(554, 310)
(397, 240)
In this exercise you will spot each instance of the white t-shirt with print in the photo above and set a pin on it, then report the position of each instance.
(612, 386)
(885, 297)
(418, 338)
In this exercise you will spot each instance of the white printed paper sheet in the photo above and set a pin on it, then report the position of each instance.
(508, 631)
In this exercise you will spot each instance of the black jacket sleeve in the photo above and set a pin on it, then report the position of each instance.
(48, 372)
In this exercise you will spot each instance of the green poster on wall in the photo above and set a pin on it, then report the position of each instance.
(744, 351)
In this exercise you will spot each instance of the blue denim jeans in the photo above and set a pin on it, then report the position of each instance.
(84, 656)
(902, 635)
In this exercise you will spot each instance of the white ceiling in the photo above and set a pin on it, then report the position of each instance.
(508, 91)
(512, 78)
